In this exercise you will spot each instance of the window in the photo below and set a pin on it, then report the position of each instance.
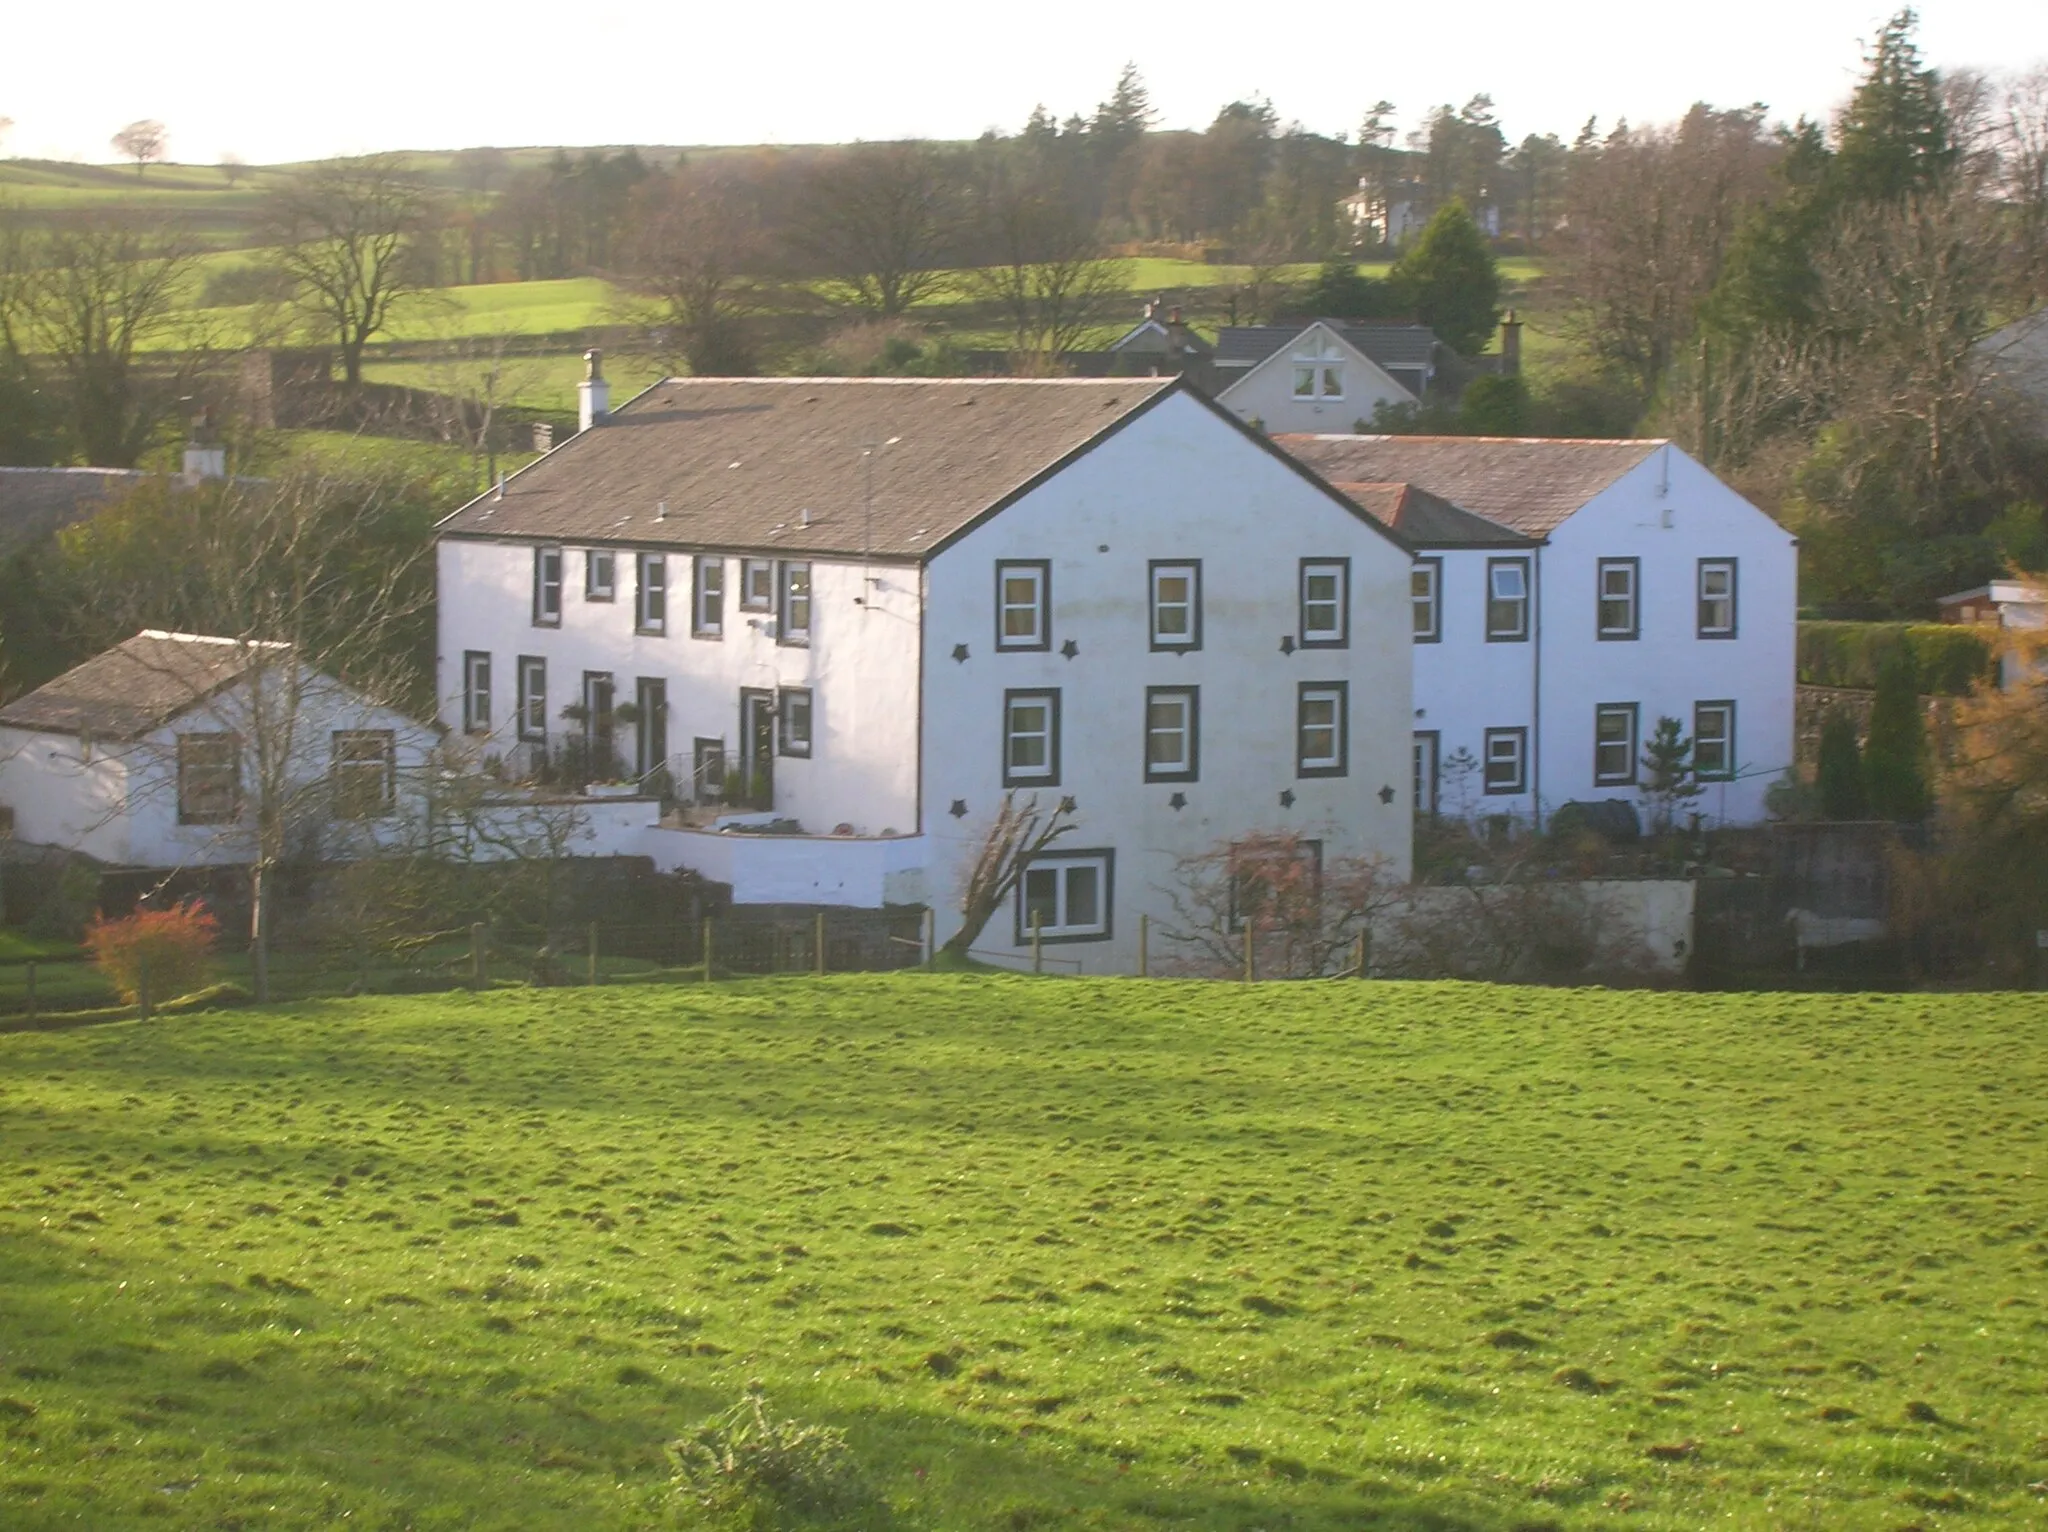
(1172, 733)
(1066, 897)
(547, 587)
(209, 779)
(1717, 598)
(793, 622)
(1031, 739)
(476, 692)
(533, 697)
(650, 604)
(1713, 741)
(1425, 585)
(1507, 600)
(793, 721)
(1320, 733)
(600, 579)
(1428, 747)
(1024, 604)
(363, 773)
(1325, 603)
(1276, 881)
(1614, 744)
(757, 585)
(1617, 604)
(1507, 761)
(707, 606)
(1176, 605)
(1319, 370)
(707, 768)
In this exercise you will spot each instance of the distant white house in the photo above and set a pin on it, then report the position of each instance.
(146, 756)
(2005, 603)
(1568, 594)
(1328, 375)
(859, 612)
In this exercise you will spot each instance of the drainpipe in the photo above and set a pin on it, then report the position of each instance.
(1536, 693)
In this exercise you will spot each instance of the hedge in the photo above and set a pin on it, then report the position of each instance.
(1950, 657)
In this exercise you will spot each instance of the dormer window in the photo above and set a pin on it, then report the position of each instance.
(1319, 369)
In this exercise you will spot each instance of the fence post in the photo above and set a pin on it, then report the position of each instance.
(1358, 956)
(142, 988)
(31, 992)
(1037, 942)
(931, 933)
(1247, 952)
(476, 954)
(707, 949)
(593, 954)
(818, 947)
(1144, 945)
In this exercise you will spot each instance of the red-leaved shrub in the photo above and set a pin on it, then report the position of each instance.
(176, 943)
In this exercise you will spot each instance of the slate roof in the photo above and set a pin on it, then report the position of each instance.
(34, 502)
(887, 466)
(1391, 345)
(1427, 520)
(1529, 484)
(137, 685)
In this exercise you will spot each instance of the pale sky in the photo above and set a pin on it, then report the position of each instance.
(279, 80)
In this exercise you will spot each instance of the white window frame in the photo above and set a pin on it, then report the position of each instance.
(1190, 608)
(532, 710)
(650, 593)
(1495, 751)
(1034, 576)
(600, 574)
(196, 801)
(341, 772)
(1519, 568)
(757, 585)
(707, 596)
(547, 586)
(794, 705)
(1425, 599)
(1322, 706)
(1061, 869)
(1705, 629)
(794, 599)
(1047, 772)
(1162, 726)
(1725, 707)
(1338, 635)
(1630, 714)
(1618, 581)
(1319, 371)
(476, 691)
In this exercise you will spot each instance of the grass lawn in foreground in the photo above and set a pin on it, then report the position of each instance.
(1102, 1254)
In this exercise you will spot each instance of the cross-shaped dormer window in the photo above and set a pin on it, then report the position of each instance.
(1319, 369)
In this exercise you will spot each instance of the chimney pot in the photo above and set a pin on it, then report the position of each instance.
(593, 394)
(1511, 345)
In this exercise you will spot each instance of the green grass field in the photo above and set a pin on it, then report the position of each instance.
(1103, 1254)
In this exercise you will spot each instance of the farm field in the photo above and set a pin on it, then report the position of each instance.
(1110, 1254)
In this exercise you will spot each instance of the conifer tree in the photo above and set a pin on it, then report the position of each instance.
(1895, 759)
(1450, 278)
(1839, 776)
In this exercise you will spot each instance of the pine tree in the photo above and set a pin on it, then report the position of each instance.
(1839, 775)
(1895, 759)
(1450, 278)
(1894, 137)
(1668, 776)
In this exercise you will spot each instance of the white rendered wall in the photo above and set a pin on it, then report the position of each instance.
(861, 667)
(63, 796)
(853, 873)
(1465, 685)
(1266, 392)
(1177, 482)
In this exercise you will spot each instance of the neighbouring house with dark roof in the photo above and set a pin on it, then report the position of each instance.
(1325, 375)
(837, 622)
(38, 502)
(1565, 595)
(152, 754)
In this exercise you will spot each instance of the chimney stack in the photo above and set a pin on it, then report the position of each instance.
(205, 458)
(1511, 345)
(593, 394)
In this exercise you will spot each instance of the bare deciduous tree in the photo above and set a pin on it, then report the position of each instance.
(879, 219)
(1047, 272)
(1018, 833)
(349, 234)
(696, 252)
(144, 141)
(232, 168)
(1303, 916)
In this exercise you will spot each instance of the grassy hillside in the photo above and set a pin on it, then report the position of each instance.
(1082, 1254)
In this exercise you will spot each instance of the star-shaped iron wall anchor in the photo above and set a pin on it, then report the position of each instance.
(1386, 795)
(1177, 801)
(960, 653)
(1070, 648)
(1287, 797)
(1287, 643)
(1067, 806)
(959, 808)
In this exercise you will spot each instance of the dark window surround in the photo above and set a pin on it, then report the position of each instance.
(1634, 713)
(1044, 640)
(1051, 777)
(593, 588)
(785, 636)
(1194, 639)
(1521, 782)
(1193, 770)
(1727, 772)
(1343, 694)
(1435, 632)
(1521, 634)
(748, 603)
(786, 740)
(698, 591)
(471, 722)
(1634, 630)
(528, 696)
(642, 621)
(542, 555)
(1434, 787)
(1343, 638)
(1309, 849)
(194, 804)
(1107, 893)
(343, 772)
(1734, 599)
